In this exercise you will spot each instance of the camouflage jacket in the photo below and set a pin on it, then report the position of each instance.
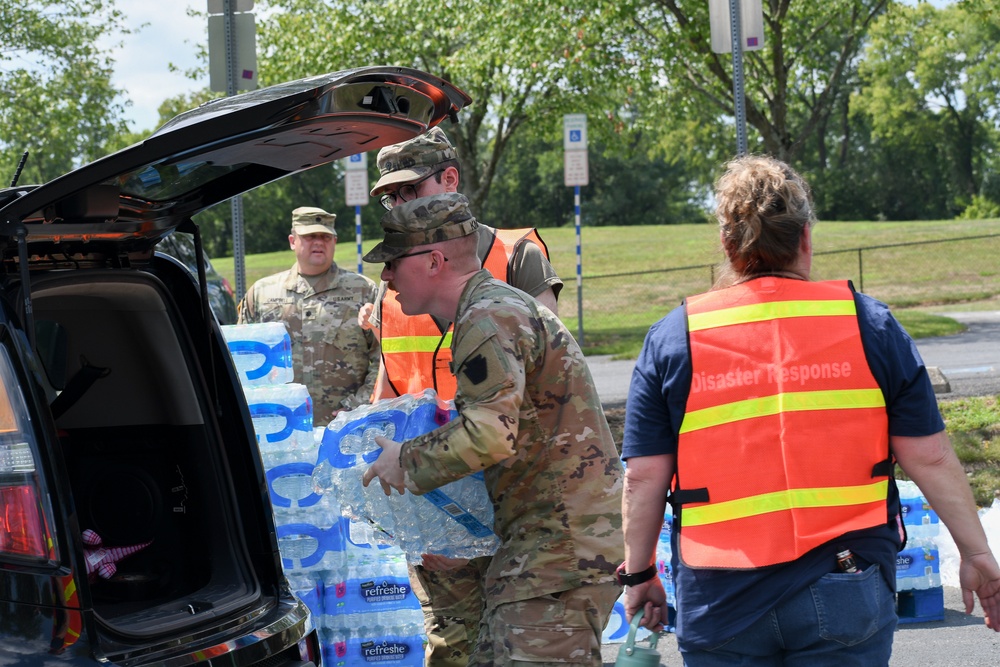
(332, 355)
(529, 416)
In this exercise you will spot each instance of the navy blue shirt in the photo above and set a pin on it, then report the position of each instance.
(713, 605)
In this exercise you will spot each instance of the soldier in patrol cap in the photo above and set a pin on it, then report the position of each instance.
(530, 419)
(427, 165)
(318, 301)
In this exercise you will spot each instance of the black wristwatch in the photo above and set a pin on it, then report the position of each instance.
(634, 578)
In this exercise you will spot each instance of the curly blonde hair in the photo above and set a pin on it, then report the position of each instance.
(763, 206)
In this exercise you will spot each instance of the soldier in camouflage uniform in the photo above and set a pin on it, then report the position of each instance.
(318, 302)
(530, 418)
(449, 589)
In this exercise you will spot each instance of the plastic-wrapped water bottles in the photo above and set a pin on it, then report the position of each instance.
(664, 552)
(370, 613)
(357, 589)
(455, 520)
(367, 642)
(282, 419)
(262, 353)
(312, 544)
(918, 566)
(919, 517)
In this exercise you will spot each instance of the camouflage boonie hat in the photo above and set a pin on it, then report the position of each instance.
(411, 160)
(421, 222)
(312, 220)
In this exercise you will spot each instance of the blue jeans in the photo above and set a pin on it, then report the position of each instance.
(840, 620)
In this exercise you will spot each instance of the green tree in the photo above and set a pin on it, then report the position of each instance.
(62, 107)
(929, 79)
(793, 86)
(521, 61)
(630, 184)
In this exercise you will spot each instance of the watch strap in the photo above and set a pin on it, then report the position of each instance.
(634, 578)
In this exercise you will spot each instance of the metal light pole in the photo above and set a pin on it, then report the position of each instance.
(739, 102)
(236, 203)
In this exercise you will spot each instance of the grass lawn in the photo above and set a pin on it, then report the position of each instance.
(916, 281)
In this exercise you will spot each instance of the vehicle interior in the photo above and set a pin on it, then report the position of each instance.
(141, 448)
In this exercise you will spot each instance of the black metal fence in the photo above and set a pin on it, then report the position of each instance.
(923, 273)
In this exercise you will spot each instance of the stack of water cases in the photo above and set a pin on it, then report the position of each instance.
(617, 627)
(309, 531)
(372, 614)
(918, 565)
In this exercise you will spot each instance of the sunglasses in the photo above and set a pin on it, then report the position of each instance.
(388, 265)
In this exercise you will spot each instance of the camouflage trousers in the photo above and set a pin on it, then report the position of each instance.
(452, 603)
(561, 629)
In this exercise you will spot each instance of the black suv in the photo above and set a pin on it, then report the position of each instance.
(135, 525)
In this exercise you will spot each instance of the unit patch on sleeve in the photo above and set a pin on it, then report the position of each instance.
(475, 369)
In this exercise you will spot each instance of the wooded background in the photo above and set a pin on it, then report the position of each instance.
(890, 109)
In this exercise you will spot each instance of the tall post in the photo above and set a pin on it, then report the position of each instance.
(739, 102)
(579, 266)
(236, 203)
(357, 237)
(576, 172)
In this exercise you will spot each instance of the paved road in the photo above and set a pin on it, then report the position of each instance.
(970, 362)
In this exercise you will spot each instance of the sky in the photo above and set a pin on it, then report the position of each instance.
(141, 67)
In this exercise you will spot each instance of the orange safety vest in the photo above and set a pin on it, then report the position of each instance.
(415, 355)
(784, 444)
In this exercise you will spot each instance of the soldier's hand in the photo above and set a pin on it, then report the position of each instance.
(364, 316)
(386, 467)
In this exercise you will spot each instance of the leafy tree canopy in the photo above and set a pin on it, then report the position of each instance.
(65, 111)
(521, 62)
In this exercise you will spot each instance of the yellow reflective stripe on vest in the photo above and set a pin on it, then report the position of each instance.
(415, 343)
(789, 402)
(769, 311)
(836, 496)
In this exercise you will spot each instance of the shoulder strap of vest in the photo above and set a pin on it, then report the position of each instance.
(682, 496)
(512, 238)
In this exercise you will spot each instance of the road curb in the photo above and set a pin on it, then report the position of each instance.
(938, 380)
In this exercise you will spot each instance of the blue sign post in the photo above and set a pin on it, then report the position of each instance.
(576, 172)
(356, 194)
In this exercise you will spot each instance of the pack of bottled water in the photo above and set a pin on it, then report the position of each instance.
(262, 352)
(282, 416)
(918, 566)
(918, 516)
(358, 593)
(455, 520)
(357, 590)
(354, 583)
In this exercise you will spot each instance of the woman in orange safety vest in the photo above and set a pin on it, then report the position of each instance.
(771, 410)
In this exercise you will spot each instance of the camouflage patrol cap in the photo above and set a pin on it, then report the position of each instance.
(411, 160)
(421, 222)
(312, 220)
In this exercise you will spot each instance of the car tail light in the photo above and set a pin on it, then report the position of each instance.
(228, 287)
(22, 531)
(24, 526)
